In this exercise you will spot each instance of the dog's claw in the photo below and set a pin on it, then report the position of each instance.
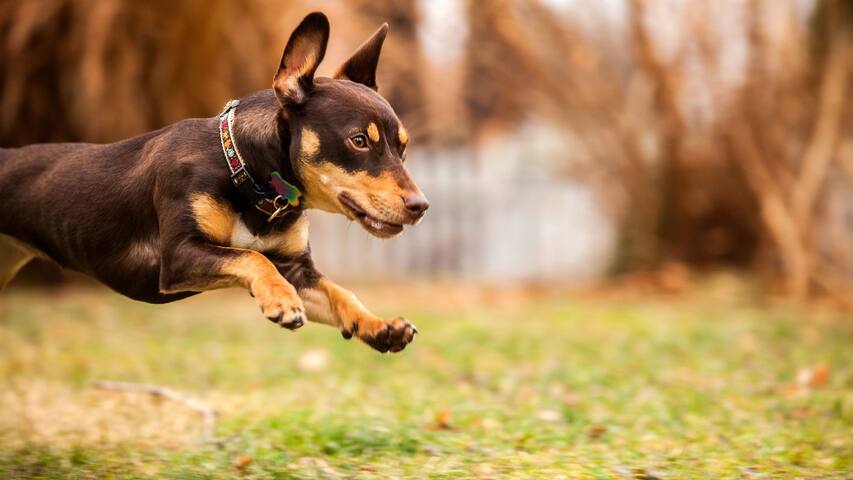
(297, 322)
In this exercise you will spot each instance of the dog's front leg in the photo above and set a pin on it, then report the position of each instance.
(331, 304)
(194, 265)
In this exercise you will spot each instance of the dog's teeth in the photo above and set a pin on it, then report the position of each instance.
(375, 223)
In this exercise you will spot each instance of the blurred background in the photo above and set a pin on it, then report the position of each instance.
(558, 140)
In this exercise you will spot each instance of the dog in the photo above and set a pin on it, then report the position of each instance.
(221, 202)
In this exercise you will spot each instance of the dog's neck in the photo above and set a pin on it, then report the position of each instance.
(263, 137)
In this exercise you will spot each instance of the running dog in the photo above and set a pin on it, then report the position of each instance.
(220, 202)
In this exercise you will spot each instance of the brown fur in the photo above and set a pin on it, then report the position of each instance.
(157, 219)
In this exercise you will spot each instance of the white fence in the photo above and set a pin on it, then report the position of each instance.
(482, 224)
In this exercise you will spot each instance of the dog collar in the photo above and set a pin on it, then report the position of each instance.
(278, 197)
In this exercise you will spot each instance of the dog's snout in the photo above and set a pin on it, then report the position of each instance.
(416, 204)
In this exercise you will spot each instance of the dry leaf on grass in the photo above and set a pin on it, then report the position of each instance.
(813, 377)
(808, 378)
(442, 421)
(596, 431)
(242, 462)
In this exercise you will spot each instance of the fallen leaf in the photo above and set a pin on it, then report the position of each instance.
(813, 377)
(242, 462)
(644, 474)
(639, 473)
(442, 421)
(595, 431)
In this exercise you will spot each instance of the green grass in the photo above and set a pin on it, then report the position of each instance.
(697, 387)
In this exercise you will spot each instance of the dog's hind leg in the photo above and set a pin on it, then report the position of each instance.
(12, 259)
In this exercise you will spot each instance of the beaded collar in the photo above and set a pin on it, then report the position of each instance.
(274, 199)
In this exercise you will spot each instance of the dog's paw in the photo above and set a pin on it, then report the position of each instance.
(281, 306)
(289, 317)
(384, 335)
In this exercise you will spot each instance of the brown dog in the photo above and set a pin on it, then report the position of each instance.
(219, 202)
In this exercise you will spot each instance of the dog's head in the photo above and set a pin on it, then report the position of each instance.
(347, 144)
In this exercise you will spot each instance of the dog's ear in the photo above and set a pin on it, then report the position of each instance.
(361, 66)
(302, 56)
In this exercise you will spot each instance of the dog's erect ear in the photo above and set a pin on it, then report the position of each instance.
(361, 66)
(302, 55)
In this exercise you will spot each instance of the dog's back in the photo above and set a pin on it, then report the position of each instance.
(21, 170)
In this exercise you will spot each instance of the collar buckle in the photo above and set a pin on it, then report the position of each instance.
(240, 176)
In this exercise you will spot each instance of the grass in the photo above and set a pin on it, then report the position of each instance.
(703, 386)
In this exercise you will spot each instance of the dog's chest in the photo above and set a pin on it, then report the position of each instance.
(292, 241)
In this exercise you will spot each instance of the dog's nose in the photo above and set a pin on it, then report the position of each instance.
(416, 204)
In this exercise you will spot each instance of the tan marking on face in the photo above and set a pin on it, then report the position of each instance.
(214, 219)
(309, 144)
(379, 196)
(403, 135)
(373, 132)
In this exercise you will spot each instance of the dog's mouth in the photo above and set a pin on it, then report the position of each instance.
(375, 226)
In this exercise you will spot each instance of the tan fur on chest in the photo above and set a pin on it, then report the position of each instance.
(221, 224)
(292, 241)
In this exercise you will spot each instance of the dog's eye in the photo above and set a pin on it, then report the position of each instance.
(359, 141)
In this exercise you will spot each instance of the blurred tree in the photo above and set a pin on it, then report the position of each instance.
(785, 128)
(739, 184)
(101, 70)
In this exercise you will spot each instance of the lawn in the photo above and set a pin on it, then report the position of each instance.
(710, 384)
